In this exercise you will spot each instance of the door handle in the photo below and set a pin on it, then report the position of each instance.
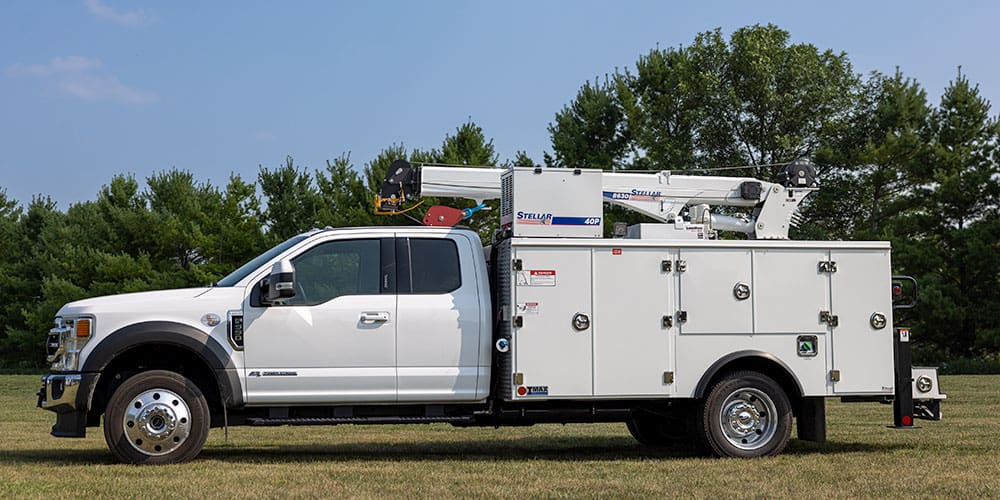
(374, 317)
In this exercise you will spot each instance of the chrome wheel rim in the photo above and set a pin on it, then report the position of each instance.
(747, 418)
(157, 422)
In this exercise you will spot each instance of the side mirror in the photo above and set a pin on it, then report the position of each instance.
(280, 283)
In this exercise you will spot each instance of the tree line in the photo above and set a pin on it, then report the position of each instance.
(893, 166)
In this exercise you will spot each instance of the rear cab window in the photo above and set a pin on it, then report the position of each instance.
(427, 266)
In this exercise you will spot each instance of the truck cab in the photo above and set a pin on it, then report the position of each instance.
(374, 316)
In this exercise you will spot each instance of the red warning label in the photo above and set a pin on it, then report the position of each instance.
(542, 277)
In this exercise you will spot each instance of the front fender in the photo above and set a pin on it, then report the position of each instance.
(205, 347)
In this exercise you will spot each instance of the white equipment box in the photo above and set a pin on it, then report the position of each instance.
(552, 202)
(606, 318)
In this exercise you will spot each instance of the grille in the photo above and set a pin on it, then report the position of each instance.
(507, 198)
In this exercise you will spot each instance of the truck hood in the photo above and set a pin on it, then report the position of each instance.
(190, 300)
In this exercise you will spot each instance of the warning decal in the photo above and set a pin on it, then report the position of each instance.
(527, 308)
(537, 277)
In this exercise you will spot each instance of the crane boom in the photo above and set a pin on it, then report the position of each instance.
(662, 195)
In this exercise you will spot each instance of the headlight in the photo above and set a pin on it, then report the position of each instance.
(66, 341)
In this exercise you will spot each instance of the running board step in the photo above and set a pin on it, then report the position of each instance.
(355, 420)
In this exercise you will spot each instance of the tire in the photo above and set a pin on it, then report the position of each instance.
(656, 430)
(156, 417)
(746, 415)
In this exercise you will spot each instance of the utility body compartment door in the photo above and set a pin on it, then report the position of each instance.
(552, 287)
(861, 288)
(633, 343)
(708, 278)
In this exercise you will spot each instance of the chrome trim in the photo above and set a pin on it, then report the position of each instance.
(71, 385)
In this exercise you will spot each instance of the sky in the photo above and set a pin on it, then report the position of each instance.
(94, 88)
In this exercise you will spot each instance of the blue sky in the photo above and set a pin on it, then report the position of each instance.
(91, 88)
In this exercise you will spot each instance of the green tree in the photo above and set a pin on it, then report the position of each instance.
(755, 100)
(865, 166)
(344, 198)
(292, 202)
(949, 238)
(589, 132)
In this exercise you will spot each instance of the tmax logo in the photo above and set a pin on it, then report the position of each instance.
(539, 218)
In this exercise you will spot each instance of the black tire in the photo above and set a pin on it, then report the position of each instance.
(156, 417)
(746, 415)
(650, 429)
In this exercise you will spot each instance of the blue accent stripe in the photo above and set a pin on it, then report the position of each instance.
(576, 221)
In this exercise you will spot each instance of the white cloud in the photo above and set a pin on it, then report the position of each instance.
(130, 18)
(57, 66)
(81, 77)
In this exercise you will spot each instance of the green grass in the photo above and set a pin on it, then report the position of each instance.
(957, 457)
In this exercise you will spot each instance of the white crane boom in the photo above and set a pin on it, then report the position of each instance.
(662, 195)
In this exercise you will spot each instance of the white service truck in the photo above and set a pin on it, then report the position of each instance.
(665, 327)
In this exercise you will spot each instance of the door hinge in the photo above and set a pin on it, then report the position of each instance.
(682, 316)
(518, 321)
(668, 377)
(827, 266)
(518, 379)
(666, 266)
(517, 264)
(835, 375)
(668, 321)
(829, 318)
(682, 266)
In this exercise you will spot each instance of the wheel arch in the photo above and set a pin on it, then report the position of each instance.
(758, 361)
(162, 345)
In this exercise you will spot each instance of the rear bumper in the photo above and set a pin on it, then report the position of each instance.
(927, 395)
(67, 394)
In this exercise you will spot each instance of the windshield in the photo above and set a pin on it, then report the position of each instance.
(254, 264)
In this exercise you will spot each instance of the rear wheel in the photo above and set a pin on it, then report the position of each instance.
(156, 417)
(745, 415)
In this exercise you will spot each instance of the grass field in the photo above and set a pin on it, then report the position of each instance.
(957, 457)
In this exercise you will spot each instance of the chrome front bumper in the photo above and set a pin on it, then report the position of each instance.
(67, 395)
(59, 392)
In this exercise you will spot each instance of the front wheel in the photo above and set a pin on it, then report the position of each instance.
(745, 415)
(156, 417)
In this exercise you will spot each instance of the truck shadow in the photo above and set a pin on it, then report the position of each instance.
(533, 448)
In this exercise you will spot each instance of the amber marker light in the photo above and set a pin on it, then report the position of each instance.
(82, 328)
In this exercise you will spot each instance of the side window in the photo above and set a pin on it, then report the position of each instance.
(336, 268)
(428, 266)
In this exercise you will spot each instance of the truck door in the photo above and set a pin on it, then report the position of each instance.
(862, 353)
(335, 341)
(553, 349)
(441, 321)
(633, 292)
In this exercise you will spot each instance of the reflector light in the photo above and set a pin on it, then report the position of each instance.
(82, 328)
(907, 420)
(521, 391)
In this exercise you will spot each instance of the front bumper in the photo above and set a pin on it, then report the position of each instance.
(67, 395)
